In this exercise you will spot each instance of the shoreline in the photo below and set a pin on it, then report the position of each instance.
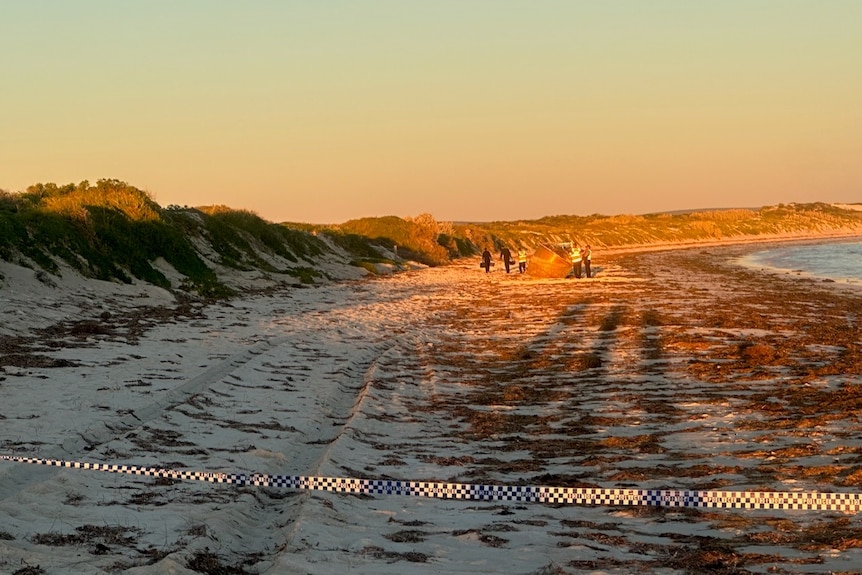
(671, 369)
(792, 238)
(741, 250)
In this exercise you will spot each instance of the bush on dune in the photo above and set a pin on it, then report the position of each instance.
(114, 231)
(669, 228)
(110, 231)
(417, 238)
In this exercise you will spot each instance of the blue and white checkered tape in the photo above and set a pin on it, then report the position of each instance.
(812, 501)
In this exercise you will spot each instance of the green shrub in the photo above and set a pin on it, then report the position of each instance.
(366, 265)
(305, 275)
(114, 231)
(416, 238)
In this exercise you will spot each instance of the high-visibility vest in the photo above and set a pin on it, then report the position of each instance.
(522, 255)
(576, 256)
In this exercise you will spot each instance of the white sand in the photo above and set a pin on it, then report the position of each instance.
(335, 380)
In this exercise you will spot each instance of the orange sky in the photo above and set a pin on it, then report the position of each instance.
(478, 110)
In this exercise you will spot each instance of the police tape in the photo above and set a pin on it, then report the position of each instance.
(811, 501)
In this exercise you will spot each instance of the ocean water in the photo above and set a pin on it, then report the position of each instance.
(839, 261)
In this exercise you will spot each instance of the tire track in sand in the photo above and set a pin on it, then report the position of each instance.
(109, 429)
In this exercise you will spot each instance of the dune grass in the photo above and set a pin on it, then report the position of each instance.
(662, 228)
(114, 231)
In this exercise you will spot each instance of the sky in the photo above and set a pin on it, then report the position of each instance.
(469, 110)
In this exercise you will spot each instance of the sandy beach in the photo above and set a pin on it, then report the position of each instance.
(670, 369)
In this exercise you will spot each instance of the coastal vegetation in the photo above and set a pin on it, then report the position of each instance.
(114, 231)
(670, 228)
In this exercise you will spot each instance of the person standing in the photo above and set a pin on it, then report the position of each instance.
(587, 256)
(486, 260)
(522, 259)
(575, 255)
(506, 256)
